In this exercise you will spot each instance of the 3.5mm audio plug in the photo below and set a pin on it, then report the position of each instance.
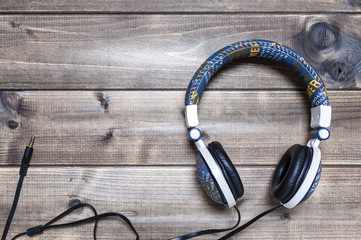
(27, 157)
(23, 170)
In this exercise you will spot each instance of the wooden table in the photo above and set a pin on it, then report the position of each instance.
(101, 85)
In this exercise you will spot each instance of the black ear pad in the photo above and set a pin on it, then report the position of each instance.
(229, 171)
(291, 172)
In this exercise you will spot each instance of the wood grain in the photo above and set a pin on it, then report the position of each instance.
(101, 85)
(161, 202)
(147, 127)
(188, 6)
(163, 51)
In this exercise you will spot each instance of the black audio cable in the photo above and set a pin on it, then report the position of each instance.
(41, 228)
(249, 223)
(50, 225)
(23, 170)
(235, 230)
(209, 231)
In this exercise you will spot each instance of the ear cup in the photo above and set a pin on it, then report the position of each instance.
(290, 172)
(207, 181)
(229, 171)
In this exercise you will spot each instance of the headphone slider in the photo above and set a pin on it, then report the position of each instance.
(321, 116)
(191, 115)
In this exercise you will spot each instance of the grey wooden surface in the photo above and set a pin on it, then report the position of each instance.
(101, 85)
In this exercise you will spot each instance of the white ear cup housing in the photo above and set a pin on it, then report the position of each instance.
(216, 172)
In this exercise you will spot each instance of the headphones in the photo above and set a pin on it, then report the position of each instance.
(299, 170)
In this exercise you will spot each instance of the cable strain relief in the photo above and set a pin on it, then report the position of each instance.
(23, 169)
(34, 230)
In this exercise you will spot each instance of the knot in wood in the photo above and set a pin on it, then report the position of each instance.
(322, 36)
(12, 124)
(354, 3)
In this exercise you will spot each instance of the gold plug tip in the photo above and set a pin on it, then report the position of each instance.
(31, 143)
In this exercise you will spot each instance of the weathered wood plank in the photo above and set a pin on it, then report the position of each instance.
(147, 127)
(164, 202)
(127, 6)
(164, 51)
